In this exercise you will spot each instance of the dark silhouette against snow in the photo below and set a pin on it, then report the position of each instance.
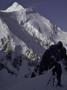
(54, 52)
(50, 59)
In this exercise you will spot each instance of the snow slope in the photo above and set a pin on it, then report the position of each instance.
(37, 83)
(34, 30)
(34, 33)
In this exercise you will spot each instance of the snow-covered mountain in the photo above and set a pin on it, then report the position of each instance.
(33, 34)
(29, 29)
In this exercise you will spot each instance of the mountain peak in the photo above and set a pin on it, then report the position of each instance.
(14, 7)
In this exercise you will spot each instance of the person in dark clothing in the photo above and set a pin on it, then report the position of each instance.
(57, 51)
(57, 71)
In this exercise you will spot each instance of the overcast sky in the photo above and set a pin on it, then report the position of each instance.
(54, 10)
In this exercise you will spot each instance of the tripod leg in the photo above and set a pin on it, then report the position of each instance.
(53, 80)
(49, 80)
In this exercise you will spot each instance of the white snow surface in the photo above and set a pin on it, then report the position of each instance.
(14, 7)
(37, 83)
(31, 28)
(33, 32)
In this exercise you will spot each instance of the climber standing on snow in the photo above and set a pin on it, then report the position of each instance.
(50, 59)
